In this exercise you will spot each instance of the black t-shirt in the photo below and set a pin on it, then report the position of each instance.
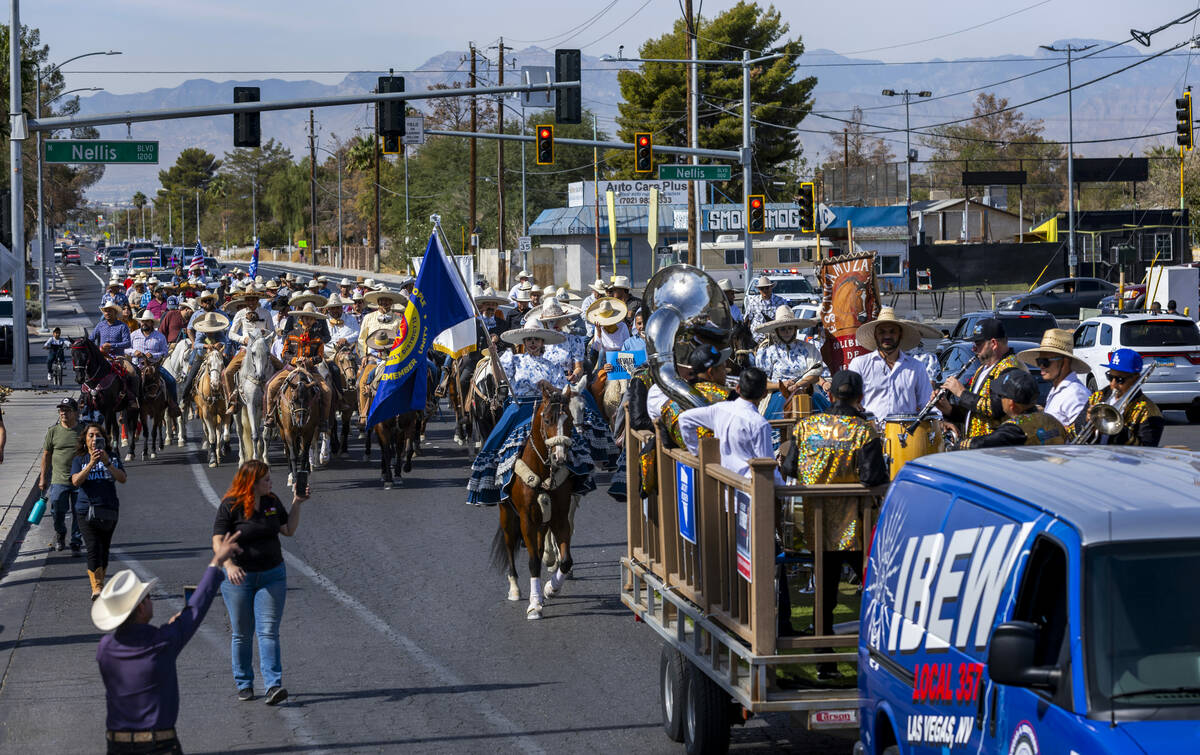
(259, 540)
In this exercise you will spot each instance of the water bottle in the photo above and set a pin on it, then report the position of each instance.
(39, 509)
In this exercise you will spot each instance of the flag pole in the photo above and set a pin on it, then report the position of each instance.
(443, 243)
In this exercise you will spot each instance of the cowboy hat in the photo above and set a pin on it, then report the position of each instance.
(1059, 342)
(322, 279)
(146, 315)
(372, 297)
(565, 295)
(313, 283)
(724, 284)
(110, 305)
(259, 280)
(516, 336)
(208, 294)
(369, 283)
(154, 281)
(345, 282)
(764, 282)
(335, 300)
(784, 318)
(211, 322)
(272, 283)
(308, 310)
(599, 286)
(524, 274)
(549, 291)
(488, 297)
(123, 593)
(606, 311)
(522, 294)
(381, 338)
(910, 332)
(620, 281)
(552, 310)
(356, 295)
(300, 298)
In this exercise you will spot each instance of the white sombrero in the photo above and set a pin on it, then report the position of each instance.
(211, 322)
(784, 318)
(1058, 342)
(301, 298)
(553, 310)
(516, 336)
(372, 297)
(488, 297)
(123, 593)
(565, 295)
(607, 311)
(911, 332)
(523, 294)
(335, 300)
(599, 286)
(308, 310)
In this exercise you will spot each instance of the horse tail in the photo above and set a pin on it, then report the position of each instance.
(499, 551)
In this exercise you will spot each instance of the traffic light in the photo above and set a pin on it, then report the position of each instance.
(808, 207)
(1183, 117)
(756, 213)
(391, 145)
(568, 103)
(391, 114)
(246, 130)
(545, 145)
(643, 152)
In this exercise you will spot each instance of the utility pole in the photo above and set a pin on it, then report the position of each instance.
(692, 127)
(500, 254)
(312, 185)
(596, 197)
(197, 216)
(908, 157)
(474, 127)
(747, 152)
(1072, 260)
(171, 224)
(16, 182)
(375, 261)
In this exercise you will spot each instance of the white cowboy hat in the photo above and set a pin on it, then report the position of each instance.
(724, 284)
(764, 282)
(322, 279)
(784, 318)
(373, 297)
(488, 297)
(599, 286)
(369, 283)
(620, 281)
(1060, 343)
(607, 311)
(335, 300)
(524, 274)
(313, 283)
(272, 283)
(356, 295)
(300, 298)
(345, 282)
(258, 280)
(207, 294)
(549, 291)
(154, 281)
(308, 310)
(211, 322)
(516, 336)
(111, 305)
(552, 310)
(123, 593)
(910, 332)
(146, 314)
(522, 294)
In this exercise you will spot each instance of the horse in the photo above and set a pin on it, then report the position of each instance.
(252, 378)
(176, 363)
(458, 394)
(298, 417)
(344, 366)
(540, 502)
(744, 346)
(103, 390)
(487, 396)
(211, 402)
(153, 412)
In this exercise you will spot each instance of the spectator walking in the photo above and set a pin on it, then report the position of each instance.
(137, 661)
(95, 474)
(58, 450)
(257, 579)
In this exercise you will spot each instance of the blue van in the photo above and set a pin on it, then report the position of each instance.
(1034, 600)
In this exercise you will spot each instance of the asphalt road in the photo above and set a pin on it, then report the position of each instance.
(396, 635)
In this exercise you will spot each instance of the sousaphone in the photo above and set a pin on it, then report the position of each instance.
(687, 308)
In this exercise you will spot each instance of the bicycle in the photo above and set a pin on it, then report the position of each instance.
(56, 365)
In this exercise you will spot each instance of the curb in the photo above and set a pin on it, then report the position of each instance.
(14, 536)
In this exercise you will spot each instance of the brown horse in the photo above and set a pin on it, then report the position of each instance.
(344, 370)
(298, 417)
(154, 412)
(539, 502)
(104, 389)
(211, 402)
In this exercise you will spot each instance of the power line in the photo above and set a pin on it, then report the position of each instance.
(580, 27)
(618, 26)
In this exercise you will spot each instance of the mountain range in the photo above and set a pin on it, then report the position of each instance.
(1136, 101)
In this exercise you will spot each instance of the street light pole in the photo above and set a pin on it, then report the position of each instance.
(1072, 260)
(16, 135)
(908, 158)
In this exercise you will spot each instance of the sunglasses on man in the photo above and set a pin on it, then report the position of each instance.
(1045, 362)
(1113, 377)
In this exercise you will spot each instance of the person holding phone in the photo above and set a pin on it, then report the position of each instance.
(256, 587)
(95, 475)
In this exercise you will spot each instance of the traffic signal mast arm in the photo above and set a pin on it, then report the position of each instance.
(715, 154)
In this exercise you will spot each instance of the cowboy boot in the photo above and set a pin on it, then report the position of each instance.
(193, 370)
(96, 578)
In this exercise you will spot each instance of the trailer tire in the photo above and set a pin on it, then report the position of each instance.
(672, 692)
(706, 716)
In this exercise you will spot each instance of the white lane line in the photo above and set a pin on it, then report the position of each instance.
(424, 658)
(99, 280)
(295, 719)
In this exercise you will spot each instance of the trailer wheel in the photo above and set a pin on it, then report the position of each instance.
(672, 678)
(706, 716)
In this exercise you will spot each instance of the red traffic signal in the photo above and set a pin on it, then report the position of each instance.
(545, 145)
(756, 213)
(755, 203)
(643, 152)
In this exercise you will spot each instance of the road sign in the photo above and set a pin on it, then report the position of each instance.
(524, 243)
(694, 173)
(414, 129)
(825, 216)
(532, 76)
(93, 151)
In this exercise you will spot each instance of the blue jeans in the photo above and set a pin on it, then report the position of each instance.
(255, 608)
(169, 380)
(62, 499)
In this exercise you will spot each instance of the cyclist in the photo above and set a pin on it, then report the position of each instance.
(56, 346)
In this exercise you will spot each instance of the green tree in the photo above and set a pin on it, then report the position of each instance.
(247, 172)
(655, 96)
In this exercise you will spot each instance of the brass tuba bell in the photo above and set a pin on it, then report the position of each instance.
(687, 308)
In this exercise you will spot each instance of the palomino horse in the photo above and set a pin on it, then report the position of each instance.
(344, 370)
(298, 417)
(104, 390)
(252, 378)
(539, 503)
(210, 400)
(153, 414)
(176, 363)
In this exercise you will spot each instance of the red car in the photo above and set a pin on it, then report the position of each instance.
(71, 256)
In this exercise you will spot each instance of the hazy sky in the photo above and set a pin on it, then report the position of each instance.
(224, 39)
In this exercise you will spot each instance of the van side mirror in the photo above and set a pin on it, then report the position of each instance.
(1011, 657)
(945, 333)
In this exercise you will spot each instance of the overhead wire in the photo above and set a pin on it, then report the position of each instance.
(588, 22)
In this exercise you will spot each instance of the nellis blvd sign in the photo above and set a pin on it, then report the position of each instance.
(93, 151)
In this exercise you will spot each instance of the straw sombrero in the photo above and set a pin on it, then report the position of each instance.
(516, 336)
(372, 297)
(599, 287)
(910, 332)
(607, 311)
(335, 300)
(301, 298)
(211, 322)
(308, 310)
(784, 318)
(123, 593)
(488, 297)
(381, 338)
(565, 295)
(1059, 342)
(553, 310)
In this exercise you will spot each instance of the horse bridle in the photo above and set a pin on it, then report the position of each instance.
(553, 441)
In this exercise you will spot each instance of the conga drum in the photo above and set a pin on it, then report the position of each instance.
(900, 445)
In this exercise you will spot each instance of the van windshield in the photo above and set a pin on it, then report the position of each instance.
(1142, 606)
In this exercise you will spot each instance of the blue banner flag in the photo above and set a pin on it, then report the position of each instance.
(254, 260)
(439, 301)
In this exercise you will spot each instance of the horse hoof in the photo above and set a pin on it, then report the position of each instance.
(153, 456)
(387, 486)
(129, 457)
(514, 595)
(548, 591)
(212, 464)
(533, 612)
(145, 456)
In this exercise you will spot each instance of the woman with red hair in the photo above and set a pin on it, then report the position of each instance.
(256, 587)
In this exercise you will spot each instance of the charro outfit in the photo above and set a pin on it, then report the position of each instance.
(982, 409)
(1143, 421)
(784, 361)
(301, 343)
(595, 429)
(1031, 428)
(760, 310)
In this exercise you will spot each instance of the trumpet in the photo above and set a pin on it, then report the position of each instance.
(937, 396)
(1108, 418)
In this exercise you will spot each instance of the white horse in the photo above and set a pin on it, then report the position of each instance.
(252, 379)
(176, 363)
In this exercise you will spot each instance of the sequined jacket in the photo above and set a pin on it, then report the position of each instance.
(1143, 421)
(981, 409)
(1033, 428)
(671, 411)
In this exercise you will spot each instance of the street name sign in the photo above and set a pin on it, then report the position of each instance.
(694, 172)
(93, 151)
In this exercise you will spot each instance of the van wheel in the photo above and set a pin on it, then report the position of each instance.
(706, 716)
(672, 677)
(1193, 414)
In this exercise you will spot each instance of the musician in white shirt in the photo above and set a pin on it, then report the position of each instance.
(1059, 365)
(743, 432)
(894, 383)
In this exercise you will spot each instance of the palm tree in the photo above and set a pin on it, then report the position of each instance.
(139, 201)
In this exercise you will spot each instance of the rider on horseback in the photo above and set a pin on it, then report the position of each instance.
(247, 325)
(302, 349)
(149, 343)
(113, 338)
(208, 306)
(382, 299)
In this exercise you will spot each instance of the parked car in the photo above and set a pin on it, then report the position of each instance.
(1064, 296)
(1170, 341)
(1020, 325)
(793, 285)
(951, 357)
(59, 249)
(1135, 300)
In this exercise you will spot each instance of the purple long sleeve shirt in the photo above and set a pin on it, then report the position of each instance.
(137, 664)
(115, 333)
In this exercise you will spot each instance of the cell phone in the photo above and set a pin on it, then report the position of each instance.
(100, 444)
(188, 590)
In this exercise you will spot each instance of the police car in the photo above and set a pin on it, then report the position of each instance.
(794, 285)
(1034, 600)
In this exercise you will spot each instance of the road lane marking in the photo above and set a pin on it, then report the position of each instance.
(423, 657)
(100, 280)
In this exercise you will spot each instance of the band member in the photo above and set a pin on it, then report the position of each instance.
(707, 366)
(1059, 365)
(894, 383)
(1026, 425)
(1143, 421)
(303, 348)
(978, 408)
(790, 362)
(761, 308)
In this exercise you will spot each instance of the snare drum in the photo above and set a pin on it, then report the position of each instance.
(901, 446)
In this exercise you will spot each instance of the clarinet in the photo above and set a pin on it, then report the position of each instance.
(936, 397)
